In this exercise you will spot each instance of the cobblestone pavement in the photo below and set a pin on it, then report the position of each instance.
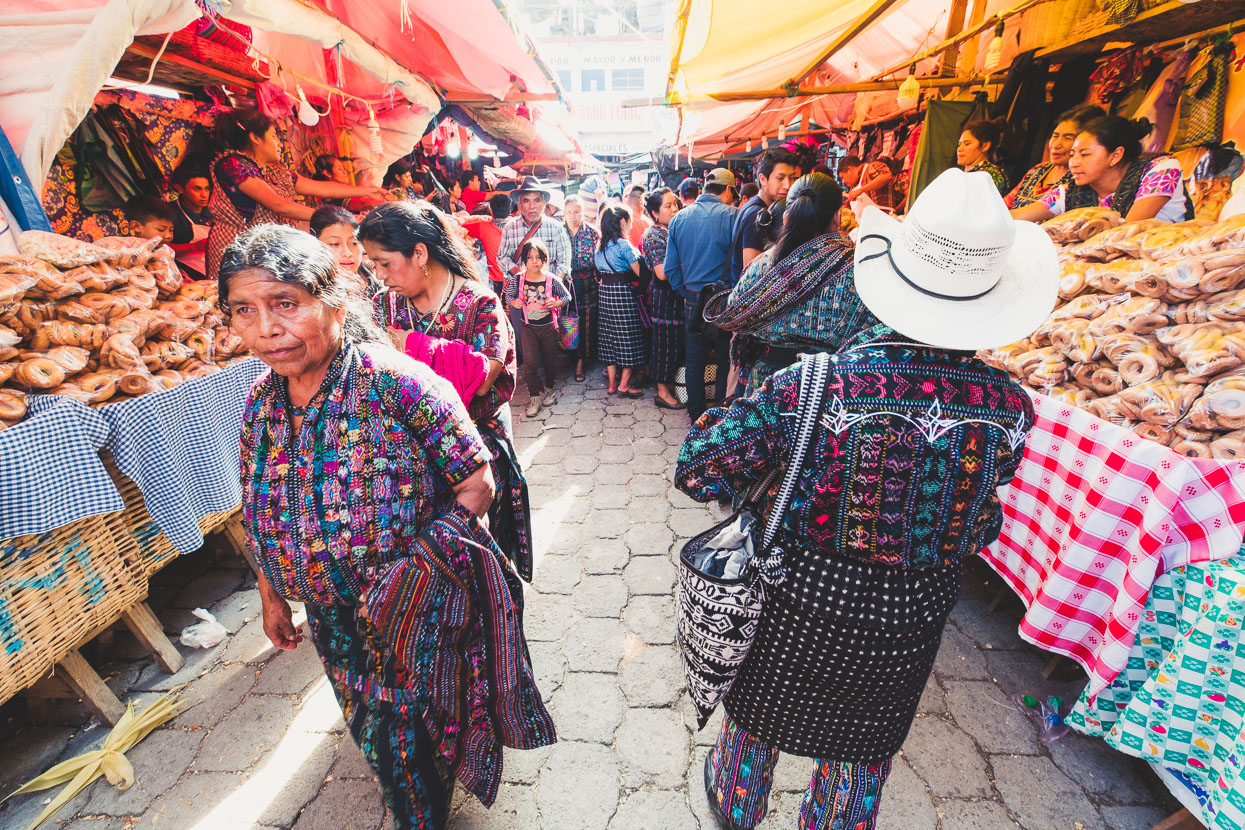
(265, 745)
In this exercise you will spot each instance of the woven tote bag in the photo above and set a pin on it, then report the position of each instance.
(718, 617)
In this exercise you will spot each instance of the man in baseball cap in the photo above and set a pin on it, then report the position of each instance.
(697, 265)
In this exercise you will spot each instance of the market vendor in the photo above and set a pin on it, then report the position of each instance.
(362, 479)
(245, 193)
(1109, 170)
(435, 290)
(976, 149)
(1046, 175)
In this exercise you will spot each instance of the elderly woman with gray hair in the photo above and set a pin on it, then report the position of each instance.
(363, 481)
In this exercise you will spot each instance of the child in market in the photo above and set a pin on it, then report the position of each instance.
(148, 217)
(539, 295)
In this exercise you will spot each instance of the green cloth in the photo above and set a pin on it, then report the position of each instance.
(935, 151)
(1180, 701)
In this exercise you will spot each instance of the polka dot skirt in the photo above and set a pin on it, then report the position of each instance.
(842, 656)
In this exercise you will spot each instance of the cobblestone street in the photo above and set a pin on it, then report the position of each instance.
(265, 746)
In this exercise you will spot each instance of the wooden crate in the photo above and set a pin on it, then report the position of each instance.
(59, 588)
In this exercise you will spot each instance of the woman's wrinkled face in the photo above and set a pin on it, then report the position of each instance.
(968, 151)
(1090, 161)
(403, 275)
(345, 246)
(1061, 140)
(669, 207)
(573, 213)
(282, 324)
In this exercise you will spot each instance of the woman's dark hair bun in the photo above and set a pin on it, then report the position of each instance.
(1144, 127)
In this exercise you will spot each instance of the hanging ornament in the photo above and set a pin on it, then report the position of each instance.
(994, 55)
(404, 17)
(909, 90)
(306, 112)
(748, 149)
(782, 133)
(373, 131)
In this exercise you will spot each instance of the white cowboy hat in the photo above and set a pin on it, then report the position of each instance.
(958, 272)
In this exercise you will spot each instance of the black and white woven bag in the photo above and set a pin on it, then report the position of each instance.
(718, 617)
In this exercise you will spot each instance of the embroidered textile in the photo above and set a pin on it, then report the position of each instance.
(474, 316)
(1032, 186)
(904, 468)
(840, 795)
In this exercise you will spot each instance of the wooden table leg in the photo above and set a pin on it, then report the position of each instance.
(232, 528)
(1183, 820)
(83, 679)
(146, 628)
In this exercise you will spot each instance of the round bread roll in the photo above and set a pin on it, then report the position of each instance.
(39, 373)
(100, 386)
(12, 405)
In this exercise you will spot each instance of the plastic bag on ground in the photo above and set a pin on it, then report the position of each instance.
(203, 634)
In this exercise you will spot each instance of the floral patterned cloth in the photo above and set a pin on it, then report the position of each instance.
(584, 279)
(904, 467)
(584, 244)
(474, 316)
(1180, 701)
(1162, 177)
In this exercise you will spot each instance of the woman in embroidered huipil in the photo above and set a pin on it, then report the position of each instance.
(584, 241)
(362, 477)
(665, 305)
(899, 484)
(798, 296)
(434, 289)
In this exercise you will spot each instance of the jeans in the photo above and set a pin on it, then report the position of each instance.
(698, 346)
(540, 344)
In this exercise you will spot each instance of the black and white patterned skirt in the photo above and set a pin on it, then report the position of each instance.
(622, 339)
(842, 655)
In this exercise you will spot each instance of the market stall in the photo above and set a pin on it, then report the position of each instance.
(121, 385)
(1133, 485)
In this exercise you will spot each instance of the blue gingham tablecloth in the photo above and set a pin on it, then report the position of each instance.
(50, 470)
(179, 446)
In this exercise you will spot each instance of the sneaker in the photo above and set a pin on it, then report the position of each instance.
(549, 398)
(533, 407)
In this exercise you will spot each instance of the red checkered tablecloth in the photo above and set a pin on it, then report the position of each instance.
(1093, 517)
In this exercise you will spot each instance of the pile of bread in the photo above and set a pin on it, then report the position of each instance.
(102, 321)
(1150, 330)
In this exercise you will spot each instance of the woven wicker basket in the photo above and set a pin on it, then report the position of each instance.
(1054, 21)
(56, 589)
(144, 542)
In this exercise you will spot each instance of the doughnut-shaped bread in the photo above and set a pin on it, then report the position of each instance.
(12, 405)
(100, 386)
(39, 373)
(108, 306)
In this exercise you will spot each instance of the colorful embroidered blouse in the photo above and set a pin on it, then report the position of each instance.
(381, 446)
(1163, 177)
(903, 467)
(1000, 180)
(475, 316)
(1032, 186)
(583, 247)
(656, 238)
(232, 169)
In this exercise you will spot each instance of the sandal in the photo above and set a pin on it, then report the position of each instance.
(580, 377)
(631, 393)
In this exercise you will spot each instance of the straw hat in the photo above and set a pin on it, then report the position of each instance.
(958, 272)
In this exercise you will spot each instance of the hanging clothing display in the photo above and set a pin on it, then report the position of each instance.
(1161, 101)
(944, 120)
(1204, 99)
(1021, 103)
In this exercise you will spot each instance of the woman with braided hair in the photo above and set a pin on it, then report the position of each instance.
(799, 296)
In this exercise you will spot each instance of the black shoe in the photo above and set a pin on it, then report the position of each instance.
(715, 809)
(663, 405)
